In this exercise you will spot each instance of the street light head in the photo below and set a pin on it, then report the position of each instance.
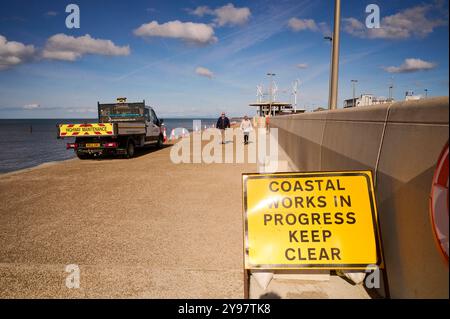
(328, 38)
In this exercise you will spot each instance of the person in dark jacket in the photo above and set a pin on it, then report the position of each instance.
(222, 124)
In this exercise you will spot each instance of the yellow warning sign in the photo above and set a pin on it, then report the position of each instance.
(90, 129)
(310, 220)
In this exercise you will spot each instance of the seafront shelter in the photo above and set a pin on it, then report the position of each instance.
(274, 108)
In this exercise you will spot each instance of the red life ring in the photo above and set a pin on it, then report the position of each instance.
(439, 203)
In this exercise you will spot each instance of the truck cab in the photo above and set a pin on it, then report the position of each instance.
(153, 125)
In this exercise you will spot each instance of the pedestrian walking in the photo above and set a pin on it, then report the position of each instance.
(246, 127)
(267, 124)
(222, 124)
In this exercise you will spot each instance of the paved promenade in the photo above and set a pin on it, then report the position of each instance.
(143, 228)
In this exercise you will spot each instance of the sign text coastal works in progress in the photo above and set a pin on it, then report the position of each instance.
(310, 220)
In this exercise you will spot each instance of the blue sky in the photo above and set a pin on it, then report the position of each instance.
(197, 58)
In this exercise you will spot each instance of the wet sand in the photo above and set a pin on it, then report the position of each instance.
(142, 228)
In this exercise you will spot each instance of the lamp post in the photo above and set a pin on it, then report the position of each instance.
(329, 38)
(426, 93)
(391, 90)
(354, 94)
(334, 76)
(271, 75)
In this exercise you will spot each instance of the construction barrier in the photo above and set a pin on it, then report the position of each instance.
(180, 132)
(164, 134)
(177, 133)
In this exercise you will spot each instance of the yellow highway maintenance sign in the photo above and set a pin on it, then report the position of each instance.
(87, 129)
(323, 220)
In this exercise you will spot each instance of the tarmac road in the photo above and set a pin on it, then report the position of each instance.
(142, 228)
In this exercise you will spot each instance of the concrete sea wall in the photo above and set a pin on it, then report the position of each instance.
(400, 143)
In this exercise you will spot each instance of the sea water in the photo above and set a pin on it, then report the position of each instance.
(26, 143)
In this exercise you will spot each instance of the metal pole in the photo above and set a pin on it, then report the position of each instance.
(271, 92)
(354, 91)
(426, 93)
(332, 103)
(331, 66)
(391, 89)
(295, 96)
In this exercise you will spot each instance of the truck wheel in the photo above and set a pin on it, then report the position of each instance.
(130, 149)
(160, 142)
(82, 156)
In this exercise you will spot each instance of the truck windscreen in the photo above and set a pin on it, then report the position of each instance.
(130, 112)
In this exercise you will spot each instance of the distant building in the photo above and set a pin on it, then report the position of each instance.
(409, 96)
(366, 100)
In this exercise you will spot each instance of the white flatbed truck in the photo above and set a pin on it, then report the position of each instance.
(121, 128)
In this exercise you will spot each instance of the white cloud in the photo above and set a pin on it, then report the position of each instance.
(302, 65)
(411, 22)
(187, 31)
(201, 11)
(51, 13)
(13, 53)
(297, 24)
(204, 72)
(354, 27)
(32, 106)
(225, 15)
(324, 28)
(411, 65)
(69, 48)
(231, 15)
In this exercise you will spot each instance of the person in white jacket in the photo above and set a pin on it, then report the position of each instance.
(246, 127)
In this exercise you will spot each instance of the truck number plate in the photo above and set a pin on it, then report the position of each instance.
(92, 145)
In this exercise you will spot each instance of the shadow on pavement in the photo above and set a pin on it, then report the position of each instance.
(138, 153)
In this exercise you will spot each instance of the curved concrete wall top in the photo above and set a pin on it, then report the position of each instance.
(400, 143)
